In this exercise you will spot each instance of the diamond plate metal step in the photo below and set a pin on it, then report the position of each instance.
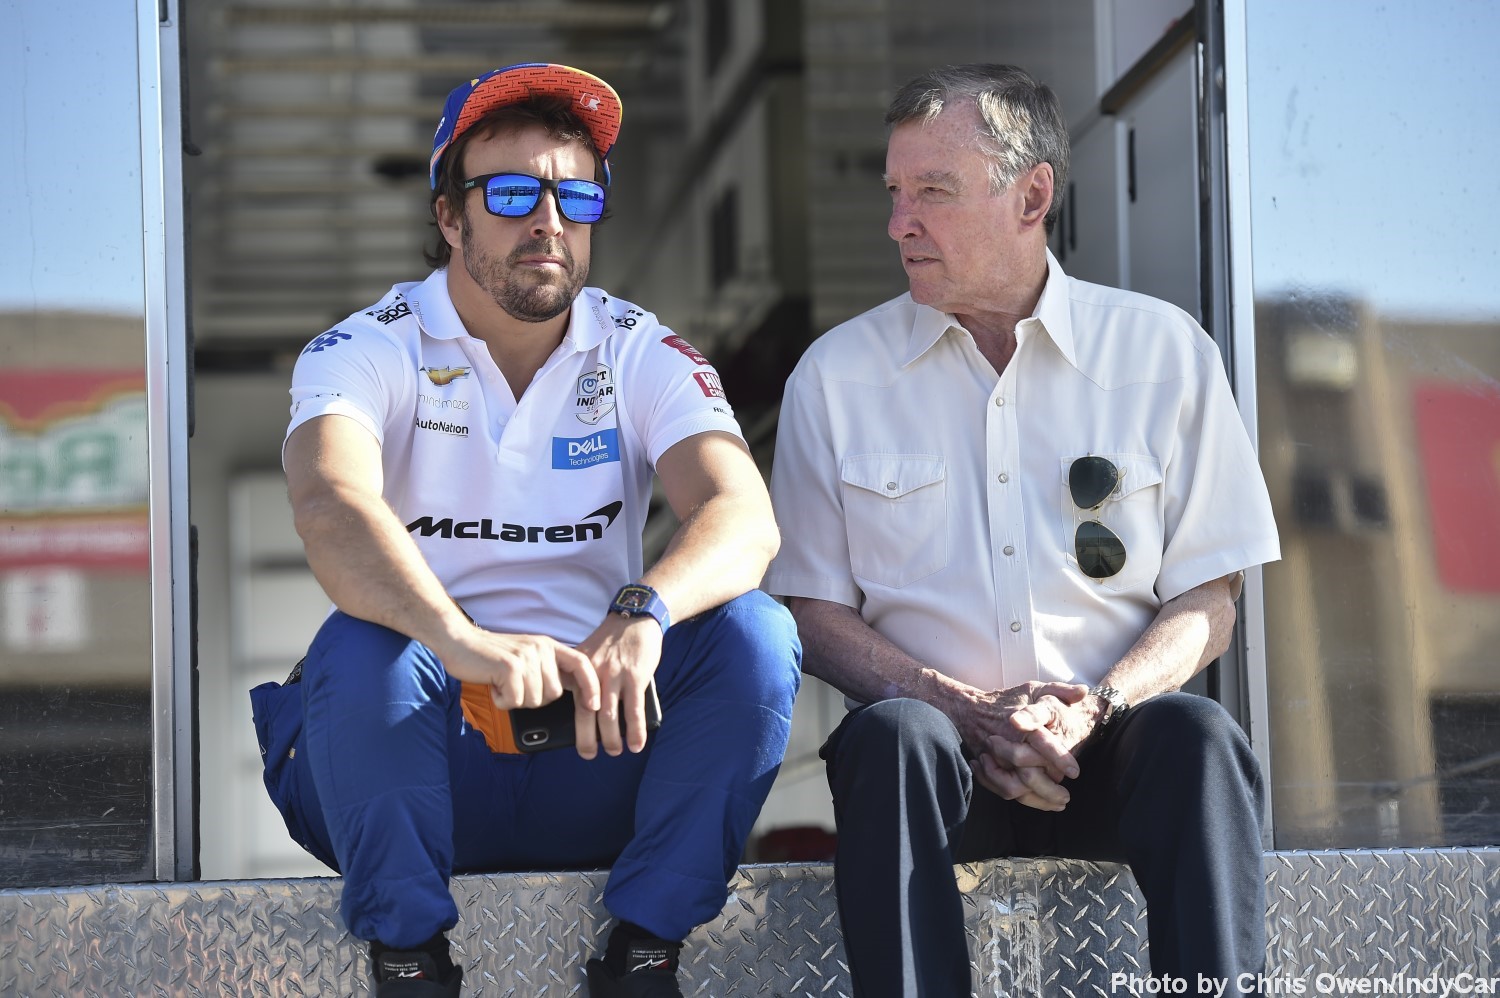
(1035, 927)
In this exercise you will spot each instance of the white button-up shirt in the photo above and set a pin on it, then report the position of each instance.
(914, 485)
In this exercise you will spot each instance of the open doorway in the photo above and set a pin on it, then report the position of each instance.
(750, 218)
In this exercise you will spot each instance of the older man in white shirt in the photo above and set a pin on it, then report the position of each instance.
(1016, 508)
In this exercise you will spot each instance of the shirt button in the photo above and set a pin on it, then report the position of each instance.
(1004, 477)
(999, 401)
(1015, 625)
(890, 486)
(1009, 549)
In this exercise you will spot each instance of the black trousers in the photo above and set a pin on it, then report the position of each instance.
(1172, 789)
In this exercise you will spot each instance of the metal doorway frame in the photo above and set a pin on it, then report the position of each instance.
(174, 846)
(1229, 306)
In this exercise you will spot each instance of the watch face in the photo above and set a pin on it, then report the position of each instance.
(633, 599)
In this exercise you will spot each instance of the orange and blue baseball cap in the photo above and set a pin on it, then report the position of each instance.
(593, 101)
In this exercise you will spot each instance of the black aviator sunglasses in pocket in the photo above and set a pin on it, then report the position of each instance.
(1100, 552)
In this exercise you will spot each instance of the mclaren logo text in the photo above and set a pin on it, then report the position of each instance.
(590, 528)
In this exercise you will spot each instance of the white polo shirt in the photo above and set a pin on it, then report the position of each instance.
(915, 486)
(529, 513)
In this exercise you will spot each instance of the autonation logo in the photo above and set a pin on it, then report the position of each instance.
(585, 452)
(442, 426)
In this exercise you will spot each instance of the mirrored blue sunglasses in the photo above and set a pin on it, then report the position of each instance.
(516, 195)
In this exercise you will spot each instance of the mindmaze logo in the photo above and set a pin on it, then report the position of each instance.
(438, 402)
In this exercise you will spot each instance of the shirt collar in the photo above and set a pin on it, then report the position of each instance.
(588, 321)
(927, 327)
(434, 309)
(1053, 315)
(1054, 312)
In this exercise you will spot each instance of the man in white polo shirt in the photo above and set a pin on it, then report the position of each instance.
(470, 464)
(1015, 509)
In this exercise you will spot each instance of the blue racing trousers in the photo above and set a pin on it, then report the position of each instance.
(375, 770)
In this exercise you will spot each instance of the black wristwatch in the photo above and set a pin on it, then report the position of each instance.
(1115, 703)
(636, 600)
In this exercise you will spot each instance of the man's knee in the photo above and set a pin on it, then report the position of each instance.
(751, 641)
(340, 635)
(898, 757)
(350, 656)
(891, 731)
(760, 624)
(1185, 719)
(1191, 740)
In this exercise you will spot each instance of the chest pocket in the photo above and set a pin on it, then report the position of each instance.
(1134, 511)
(896, 515)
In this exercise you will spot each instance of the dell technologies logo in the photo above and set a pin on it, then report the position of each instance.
(599, 447)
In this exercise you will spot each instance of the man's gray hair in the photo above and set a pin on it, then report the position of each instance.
(1022, 120)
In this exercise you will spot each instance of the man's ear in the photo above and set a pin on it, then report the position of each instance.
(449, 221)
(1037, 185)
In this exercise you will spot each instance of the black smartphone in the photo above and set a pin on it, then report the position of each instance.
(537, 729)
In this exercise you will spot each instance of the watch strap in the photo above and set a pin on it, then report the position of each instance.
(1115, 703)
(640, 600)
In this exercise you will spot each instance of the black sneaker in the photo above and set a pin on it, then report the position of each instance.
(413, 974)
(650, 972)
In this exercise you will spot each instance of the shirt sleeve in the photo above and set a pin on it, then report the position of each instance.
(675, 393)
(1218, 511)
(338, 373)
(814, 557)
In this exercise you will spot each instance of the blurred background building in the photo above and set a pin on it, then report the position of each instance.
(192, 191)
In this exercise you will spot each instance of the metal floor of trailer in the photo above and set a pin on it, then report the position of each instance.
(1405, 921)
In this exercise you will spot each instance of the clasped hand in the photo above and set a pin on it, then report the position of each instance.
(1023, 740)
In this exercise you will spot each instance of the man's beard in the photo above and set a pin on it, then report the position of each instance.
(541, 296)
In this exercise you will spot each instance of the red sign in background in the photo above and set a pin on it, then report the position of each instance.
(1458, 433)
(111, 533)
